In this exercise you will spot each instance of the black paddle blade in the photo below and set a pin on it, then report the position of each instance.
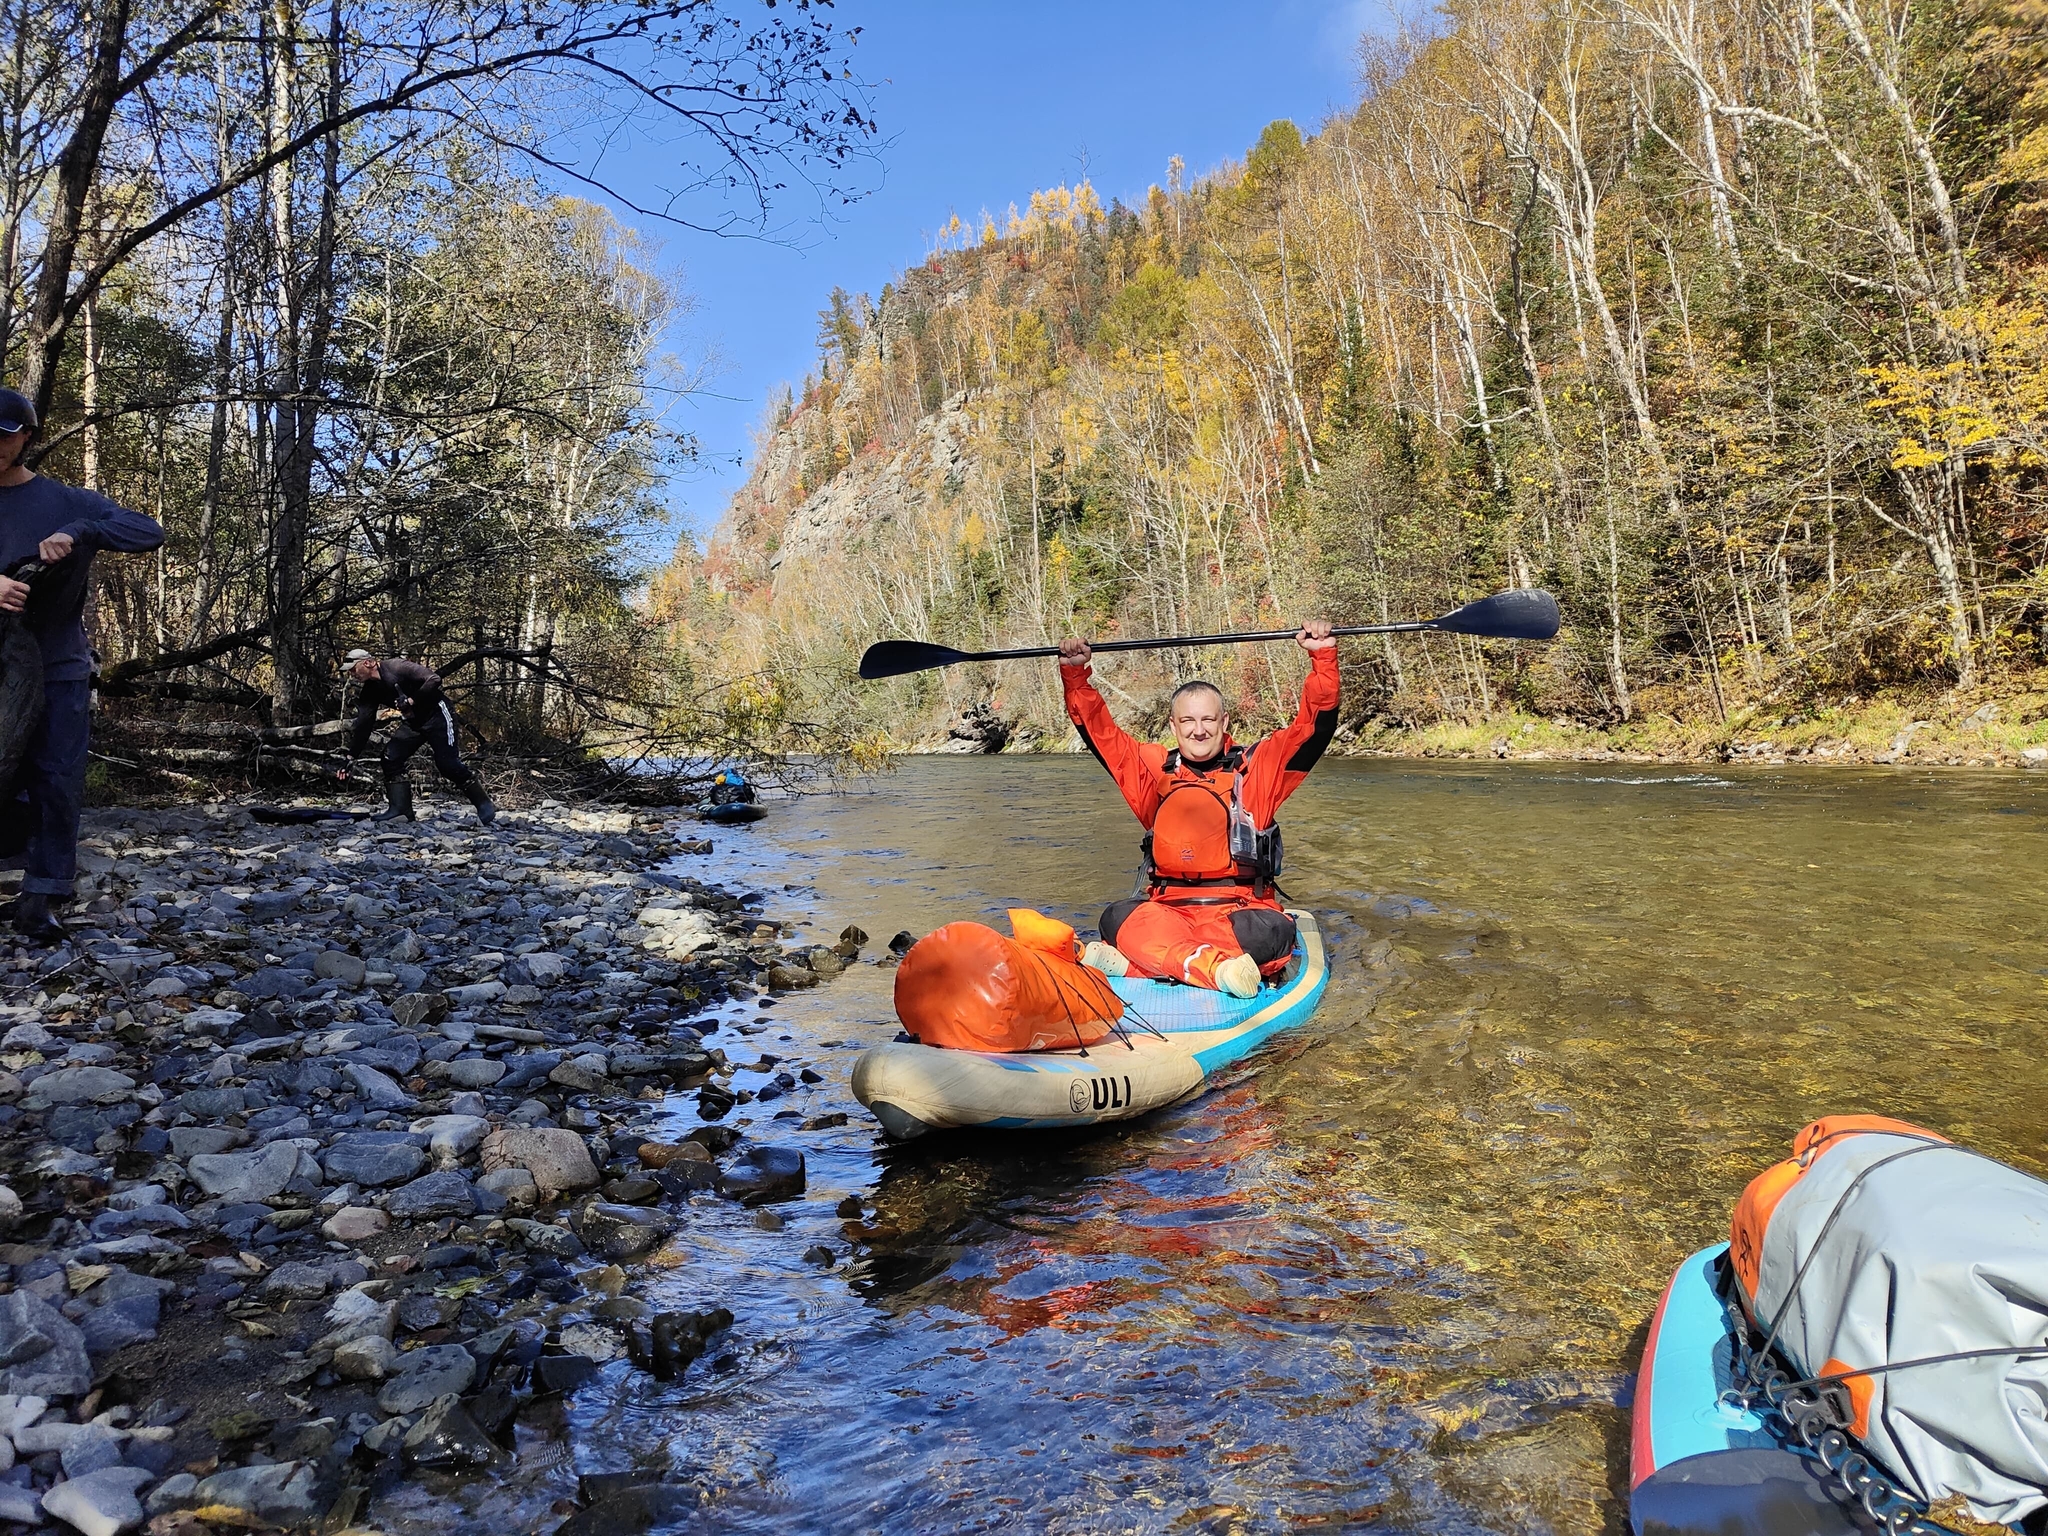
(1526, 613)
(894, 658)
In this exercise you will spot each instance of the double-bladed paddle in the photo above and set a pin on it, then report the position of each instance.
(1526, 613)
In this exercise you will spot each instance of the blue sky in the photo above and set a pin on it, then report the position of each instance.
(978, 103)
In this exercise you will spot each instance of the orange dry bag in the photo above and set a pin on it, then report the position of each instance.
(968, 987)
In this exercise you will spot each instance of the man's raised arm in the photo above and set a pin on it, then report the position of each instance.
(1284, 758)
(1114, 748)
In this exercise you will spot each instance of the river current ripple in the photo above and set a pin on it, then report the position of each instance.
(1398, 1278)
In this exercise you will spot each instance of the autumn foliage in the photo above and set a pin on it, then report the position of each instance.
(1727, 321)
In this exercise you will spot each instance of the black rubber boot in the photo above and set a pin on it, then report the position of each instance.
(398, 800)
(480, 798)
(32, 919)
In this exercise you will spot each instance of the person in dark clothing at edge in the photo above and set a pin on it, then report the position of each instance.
(1209, 917)
(429, 721)
(62, 527)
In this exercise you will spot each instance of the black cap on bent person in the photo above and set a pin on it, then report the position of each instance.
(17, 411)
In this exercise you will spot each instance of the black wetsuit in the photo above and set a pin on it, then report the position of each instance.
(429, 721)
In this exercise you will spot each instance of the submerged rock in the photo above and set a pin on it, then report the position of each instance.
(761, 1174)
(677, 1338)
(446, 1436)
(632, 1511)
(623, 1231)
(440, 1370)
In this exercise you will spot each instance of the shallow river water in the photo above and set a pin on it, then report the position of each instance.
(1397, 1279)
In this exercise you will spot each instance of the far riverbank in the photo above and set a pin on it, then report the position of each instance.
(1993, 727)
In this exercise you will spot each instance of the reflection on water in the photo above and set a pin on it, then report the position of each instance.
(1395, 1278)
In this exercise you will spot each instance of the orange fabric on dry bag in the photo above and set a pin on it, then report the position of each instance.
(968, 987)
(1760, 1199)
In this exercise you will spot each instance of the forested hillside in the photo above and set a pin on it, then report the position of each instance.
(1723, 321)
(301, 281)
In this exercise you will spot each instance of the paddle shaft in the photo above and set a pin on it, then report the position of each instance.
(1174, 644)
(1523, 613)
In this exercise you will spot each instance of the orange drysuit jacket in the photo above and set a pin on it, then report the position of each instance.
(1274, 768)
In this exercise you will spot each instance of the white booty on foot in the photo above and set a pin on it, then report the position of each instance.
(1239, 976)
(1106, 958)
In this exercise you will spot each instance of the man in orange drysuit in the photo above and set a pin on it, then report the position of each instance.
(1210, 918)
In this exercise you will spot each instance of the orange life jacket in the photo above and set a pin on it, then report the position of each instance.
(1202, 837)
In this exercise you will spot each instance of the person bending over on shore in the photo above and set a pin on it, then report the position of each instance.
(428, 721)
(1209, 917)
(59, 527)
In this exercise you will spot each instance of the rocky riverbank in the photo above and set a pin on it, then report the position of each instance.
(328, 1160)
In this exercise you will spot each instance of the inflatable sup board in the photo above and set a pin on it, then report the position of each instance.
(1173, 1042)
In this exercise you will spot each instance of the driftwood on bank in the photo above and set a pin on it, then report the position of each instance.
(636, 772)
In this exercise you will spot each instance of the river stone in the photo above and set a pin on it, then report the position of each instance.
(369, 1358)
(378, 1091)
(545, 966)
(42, 1353)
(623, 1231)
(246, 1176)
(761, 1174)
(283, 1493)
(416, 1008)
(440, 1370)
(660, 1154)
(296, 1281)
(451, 1138)
(446, 1436)
(34, 1439)
(213, 1103)
(101, 1503)
(513, 1185)
(166, 986)
(558, 1160)
(542, 1237)
(476, 994)
(472, 1071)
(355, 1224)
(580, 1077)
(210, 1021)
(18, 1413)
(190, 1141)
(633, 1511)
(374, 1159)
(142, 1219)
(120, 1322)
(21, 1505)
(273, 981)
(76, 1085)
(428, 1199)
(633, 1189)
(339, 965)
(94, 1446)
(680, 1337)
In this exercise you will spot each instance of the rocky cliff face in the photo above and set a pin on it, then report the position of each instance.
(872, 490)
